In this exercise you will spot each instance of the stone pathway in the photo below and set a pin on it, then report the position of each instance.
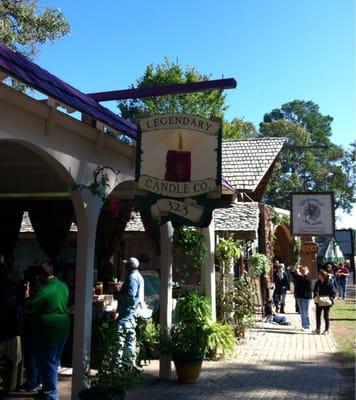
(273, 363)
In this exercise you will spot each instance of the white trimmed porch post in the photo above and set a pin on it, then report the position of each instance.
(83, 297)
(208, 268)
(166, 231)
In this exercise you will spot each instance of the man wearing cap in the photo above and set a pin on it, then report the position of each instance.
(130, 298)
(50, 328)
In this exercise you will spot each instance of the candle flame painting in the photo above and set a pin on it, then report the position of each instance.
(178, 164)
(178, 167)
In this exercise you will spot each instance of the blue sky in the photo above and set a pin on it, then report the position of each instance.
(277, 50)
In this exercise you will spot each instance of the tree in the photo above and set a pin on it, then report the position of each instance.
(309, 160)
(23, 26)
(238, 128)
(205, 103)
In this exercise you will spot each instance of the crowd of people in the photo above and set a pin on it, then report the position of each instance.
(330, 285)
(34, 304)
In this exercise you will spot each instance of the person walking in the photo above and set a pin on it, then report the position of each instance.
(303, 293)
(332, 278)
(130, 301)
(324, 295)
(280, 280)
(50, 328)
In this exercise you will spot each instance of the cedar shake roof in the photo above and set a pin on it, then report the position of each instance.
(248, 164)
(239, 217)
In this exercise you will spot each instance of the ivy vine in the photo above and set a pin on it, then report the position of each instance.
(278, 218)
(260, 264)
(192, 243)
(100, 183)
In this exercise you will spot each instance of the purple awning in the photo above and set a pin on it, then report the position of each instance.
(227, 184)
(18, 66)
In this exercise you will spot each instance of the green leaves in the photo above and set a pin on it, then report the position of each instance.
(239, 129)
(193, 308)
(23, 26)
(221, 339)
(309, 161)
(205, 104)
(189, 335)
(114, 374)
(260, 264)
(228, 249)
(192, 244)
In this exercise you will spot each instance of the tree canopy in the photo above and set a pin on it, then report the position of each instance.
(238, 128)
(24, 25)
(205, 103)
(309, 161)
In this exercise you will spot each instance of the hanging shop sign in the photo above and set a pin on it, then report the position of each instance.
(309, 248)
(178, 171)
(312, 214)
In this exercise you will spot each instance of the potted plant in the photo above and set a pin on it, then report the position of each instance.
(114, 376)
(187, 340)
(221, 341)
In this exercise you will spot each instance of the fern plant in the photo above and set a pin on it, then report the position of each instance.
(260, 264)
(192, 243)
(221, 339)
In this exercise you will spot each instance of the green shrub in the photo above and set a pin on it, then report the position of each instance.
(221, 339)
(260, 264)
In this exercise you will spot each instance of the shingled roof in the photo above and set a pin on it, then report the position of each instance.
(242, 217)
(247, 164)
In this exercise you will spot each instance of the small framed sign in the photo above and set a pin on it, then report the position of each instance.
(312, 214)
(178, 171)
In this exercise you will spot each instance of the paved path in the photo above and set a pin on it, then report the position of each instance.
(273, 363)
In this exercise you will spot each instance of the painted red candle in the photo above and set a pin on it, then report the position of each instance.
(178, 164)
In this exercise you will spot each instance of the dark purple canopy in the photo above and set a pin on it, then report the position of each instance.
(18, 66)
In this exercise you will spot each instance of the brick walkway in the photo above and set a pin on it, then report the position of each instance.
(274, 362)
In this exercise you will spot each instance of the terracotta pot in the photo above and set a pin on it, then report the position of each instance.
(188, 370)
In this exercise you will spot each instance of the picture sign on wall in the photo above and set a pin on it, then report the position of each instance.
(178, 170)
(312, 214)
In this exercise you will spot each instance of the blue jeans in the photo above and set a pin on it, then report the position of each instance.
(33, 376)
(304, 309)
(127, 333)
(342, 288)
(48, 356)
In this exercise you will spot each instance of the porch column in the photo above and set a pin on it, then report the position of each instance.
(208, 268)
(166, 292)
(83, 297)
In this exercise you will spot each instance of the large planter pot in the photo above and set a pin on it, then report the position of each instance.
(98, 393)
(188, 368)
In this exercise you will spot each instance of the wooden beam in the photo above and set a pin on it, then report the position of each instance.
(179, 88)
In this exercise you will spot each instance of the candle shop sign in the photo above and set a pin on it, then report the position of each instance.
(178, 171)
(312, 214)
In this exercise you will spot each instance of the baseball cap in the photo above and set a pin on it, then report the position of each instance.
(132, 262)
